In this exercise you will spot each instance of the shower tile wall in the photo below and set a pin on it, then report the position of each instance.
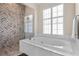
(11, 27)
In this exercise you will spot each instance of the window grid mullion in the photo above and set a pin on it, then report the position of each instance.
(57, 20)
(57, 17)
(46, 18)
(51, 21)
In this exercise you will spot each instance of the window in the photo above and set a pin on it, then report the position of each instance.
(28, 23)
(53, 20)
(47, 21)
(57, 20)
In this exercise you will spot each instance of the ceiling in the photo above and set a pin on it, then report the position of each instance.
(35, 5)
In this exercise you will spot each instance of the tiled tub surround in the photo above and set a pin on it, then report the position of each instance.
(11, 27)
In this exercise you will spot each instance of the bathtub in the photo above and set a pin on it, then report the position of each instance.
(45, 46)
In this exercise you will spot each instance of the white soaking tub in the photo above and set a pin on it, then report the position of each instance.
(45, 46)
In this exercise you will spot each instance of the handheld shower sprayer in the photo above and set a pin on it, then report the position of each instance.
(75, 27)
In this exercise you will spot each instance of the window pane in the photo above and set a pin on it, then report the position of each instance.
(54, 12)
(57, 20)
(60, 32)
(46, 32)
(46, 29)
(60, 26)
(54, 20)
(60, 10)
(30, 29)
(47, 21)
(28, 23)
(47, 13)
(60, 20)
(25, 27)
(54, 26)
(54, 32)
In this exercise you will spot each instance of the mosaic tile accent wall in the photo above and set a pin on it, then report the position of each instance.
(11, 27)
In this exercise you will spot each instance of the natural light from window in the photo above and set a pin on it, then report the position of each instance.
(53, 20)
(28, 23)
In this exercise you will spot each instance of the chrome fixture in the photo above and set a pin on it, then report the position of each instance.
(75, 27)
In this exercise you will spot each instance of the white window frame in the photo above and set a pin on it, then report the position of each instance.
(46, 31)
(58, 33)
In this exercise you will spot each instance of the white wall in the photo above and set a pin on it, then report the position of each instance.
(77, 8)
(69, 12)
